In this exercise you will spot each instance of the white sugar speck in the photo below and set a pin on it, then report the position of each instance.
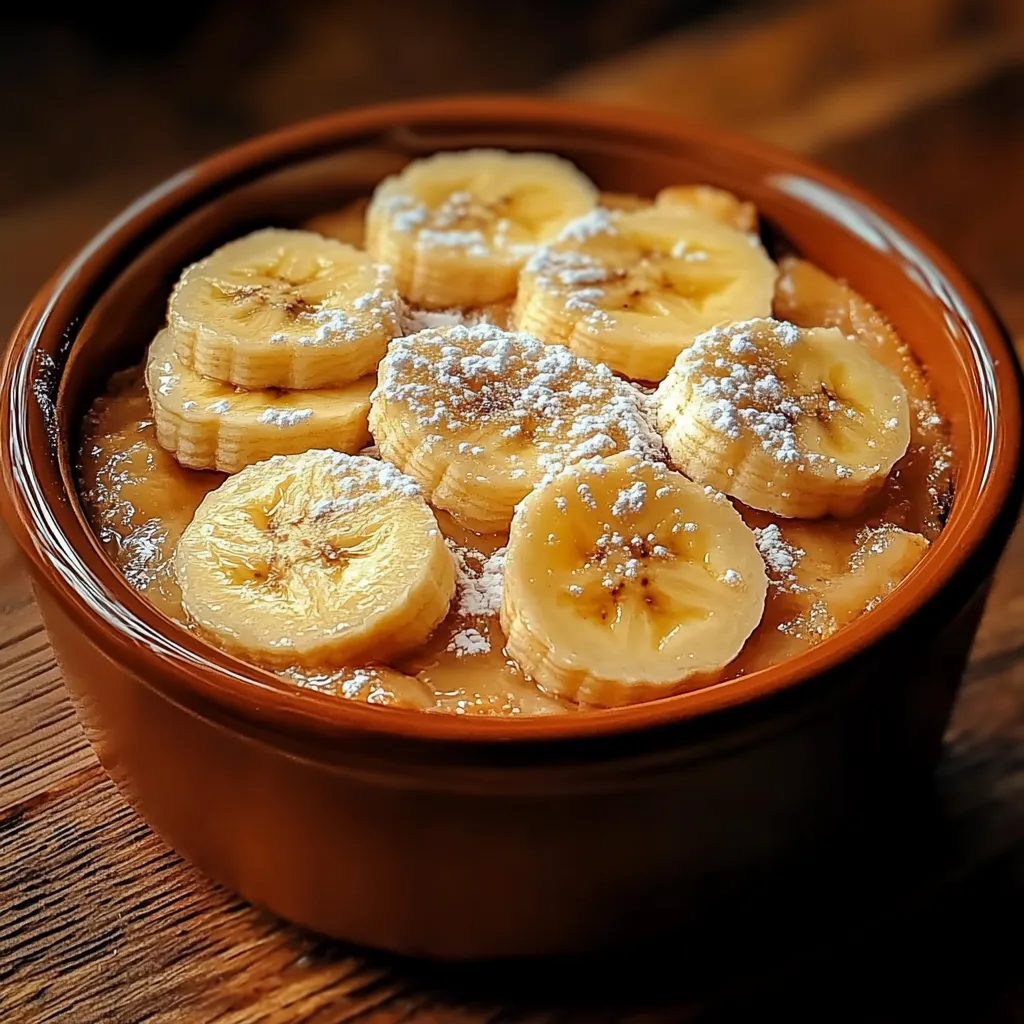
(779, 555)
(478, 580)
(284, 417)
(352, 481)
(469, 641)
(630, 499)
(734, 376)
(587, 496)
(451, 379)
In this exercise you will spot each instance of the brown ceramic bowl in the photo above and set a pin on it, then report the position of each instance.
(455, 838)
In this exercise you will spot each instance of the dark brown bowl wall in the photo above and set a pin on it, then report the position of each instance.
(504, 861)
(456, 838)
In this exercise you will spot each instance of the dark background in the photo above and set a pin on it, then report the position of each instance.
(86, 91)
(98, 102)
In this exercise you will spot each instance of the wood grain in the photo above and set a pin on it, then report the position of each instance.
(100, 922)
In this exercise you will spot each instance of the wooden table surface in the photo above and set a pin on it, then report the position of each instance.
(101, 922)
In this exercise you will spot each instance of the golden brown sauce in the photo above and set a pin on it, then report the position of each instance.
(823, 573)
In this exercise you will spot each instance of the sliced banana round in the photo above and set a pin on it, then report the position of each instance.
(823, 575)
(716, 203)
(802, 423)
(883, 558)
(284, 309)
(625, 581)
(923, 481)
(477, 416)
(633, 288)
(209, 425)
(457, 227)
(315, 560)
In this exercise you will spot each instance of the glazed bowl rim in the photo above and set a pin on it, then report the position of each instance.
(163, 650)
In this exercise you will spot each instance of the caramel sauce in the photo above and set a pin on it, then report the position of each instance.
(823, 573)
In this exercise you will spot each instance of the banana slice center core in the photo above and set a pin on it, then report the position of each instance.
(620, 576)
(296, 543)
(252, 292)
(655, 283)
(463, 210)
(606, 261)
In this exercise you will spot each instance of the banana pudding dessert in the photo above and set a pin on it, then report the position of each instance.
(491, 441)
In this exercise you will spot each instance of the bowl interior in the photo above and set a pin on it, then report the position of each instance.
(109, 302)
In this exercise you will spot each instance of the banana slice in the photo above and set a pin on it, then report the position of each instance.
(624, 581)
(716, 203)
(802, 423)
(477, 416)
(209, 425)
(457, 227)
(315, 560)
(808, 297)
(632, 289)
(883, 558)
(822, 575)
(921, 485)
(284, 309)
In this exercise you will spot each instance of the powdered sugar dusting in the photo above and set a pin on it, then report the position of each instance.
(416, 320)
(359, 680)
(424, 319)
(560, 268)
(335, 298)
(457, 222)
(284, 417)
(600, 221)
(375, 312)
(478, 585)
(630, 499)
(347, 482)
(779, 555)
(478, 580)
(469, 641)
(623, 552)
(730, 374)
(577, 276)
(593, 274)
(540, 397)
(475, 217)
